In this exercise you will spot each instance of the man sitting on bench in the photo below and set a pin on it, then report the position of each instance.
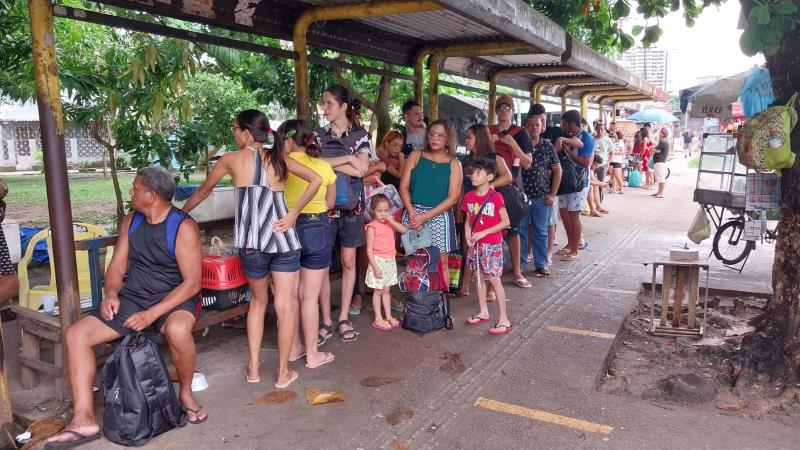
(159, 248)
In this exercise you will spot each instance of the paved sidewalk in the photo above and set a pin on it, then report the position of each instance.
(533, 388)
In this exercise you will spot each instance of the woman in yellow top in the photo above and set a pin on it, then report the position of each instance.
(313, 229)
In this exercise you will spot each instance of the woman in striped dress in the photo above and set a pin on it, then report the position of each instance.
(264, 230)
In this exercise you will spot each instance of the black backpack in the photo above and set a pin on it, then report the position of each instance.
(427, 311)
(140, 401)
(571, 176)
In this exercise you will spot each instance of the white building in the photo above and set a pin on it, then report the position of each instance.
(20, 139)
(649, 63)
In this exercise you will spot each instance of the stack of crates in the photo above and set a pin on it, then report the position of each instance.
(224, 282)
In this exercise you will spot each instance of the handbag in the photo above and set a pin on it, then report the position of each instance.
(571, 176)
(395, 202)
(414, 240)
(635, 178)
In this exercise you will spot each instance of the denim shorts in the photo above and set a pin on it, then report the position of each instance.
(258, 264)
(314, 231)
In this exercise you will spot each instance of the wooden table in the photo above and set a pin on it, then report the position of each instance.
(687, 275)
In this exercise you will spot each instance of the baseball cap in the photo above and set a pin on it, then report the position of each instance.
(504, 99)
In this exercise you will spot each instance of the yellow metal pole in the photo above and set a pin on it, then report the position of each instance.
(595, 90)
(570, 89)
(541, 83)
(535, 70)
(340, 12)
(624, 100)
(51, 123)
(463, 49)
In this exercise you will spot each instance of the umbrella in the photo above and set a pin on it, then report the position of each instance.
(716, 99)
(653, 115)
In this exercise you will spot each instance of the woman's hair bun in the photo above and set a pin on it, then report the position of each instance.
(356, 105)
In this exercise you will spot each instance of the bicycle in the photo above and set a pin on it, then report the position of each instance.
(729, 245)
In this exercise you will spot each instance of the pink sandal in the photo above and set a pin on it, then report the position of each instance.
(382, 325)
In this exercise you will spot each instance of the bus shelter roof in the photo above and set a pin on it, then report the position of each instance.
(399, 38)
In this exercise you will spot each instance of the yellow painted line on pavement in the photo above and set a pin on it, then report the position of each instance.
(580, 332)
(616, 291)
(508, 408)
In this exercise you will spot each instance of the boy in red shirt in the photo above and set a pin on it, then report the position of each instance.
(486, 220)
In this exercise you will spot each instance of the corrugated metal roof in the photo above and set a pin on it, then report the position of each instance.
(11, 111)
(397, 38)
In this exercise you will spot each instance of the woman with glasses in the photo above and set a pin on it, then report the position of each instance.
(430, 187)
(264, 230)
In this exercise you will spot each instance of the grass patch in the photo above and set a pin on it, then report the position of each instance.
(694, 163)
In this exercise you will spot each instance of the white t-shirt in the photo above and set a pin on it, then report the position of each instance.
(417, 140)
(618, 155)
(602, 146)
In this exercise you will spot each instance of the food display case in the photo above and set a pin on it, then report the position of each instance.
(721, 179)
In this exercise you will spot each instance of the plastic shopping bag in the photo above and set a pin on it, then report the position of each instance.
(700, 228)
(395, 202)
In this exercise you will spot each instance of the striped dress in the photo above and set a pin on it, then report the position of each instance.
(257, 208)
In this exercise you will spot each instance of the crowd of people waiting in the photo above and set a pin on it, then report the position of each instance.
(299, 195)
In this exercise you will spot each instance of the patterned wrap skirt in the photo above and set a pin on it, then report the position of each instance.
(442, 228)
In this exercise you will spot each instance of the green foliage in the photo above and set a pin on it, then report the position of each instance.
(768, 22)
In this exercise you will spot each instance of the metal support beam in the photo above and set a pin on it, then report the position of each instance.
(540, 84)
(464, 49)
(570, 89)
(623, 100)
(533, 70)
(340, 12)
(51, 122)
(586, 95)
(84, 15)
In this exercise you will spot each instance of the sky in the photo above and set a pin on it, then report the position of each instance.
(710, 48)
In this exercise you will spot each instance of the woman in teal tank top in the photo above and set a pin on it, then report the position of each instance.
(430, 187)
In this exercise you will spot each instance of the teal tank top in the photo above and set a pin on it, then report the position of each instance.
(430, 182)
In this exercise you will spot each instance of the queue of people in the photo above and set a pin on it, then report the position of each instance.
(300, 202)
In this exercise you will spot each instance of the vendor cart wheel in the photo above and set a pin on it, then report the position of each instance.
(729, 245)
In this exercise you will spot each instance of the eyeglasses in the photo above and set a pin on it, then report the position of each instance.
(503, 107)
(437, 135)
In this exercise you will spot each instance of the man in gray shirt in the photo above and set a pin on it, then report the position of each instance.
(415, 127)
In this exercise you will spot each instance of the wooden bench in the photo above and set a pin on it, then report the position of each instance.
(39, 329)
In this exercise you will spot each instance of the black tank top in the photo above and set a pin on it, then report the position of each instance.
(152, 267)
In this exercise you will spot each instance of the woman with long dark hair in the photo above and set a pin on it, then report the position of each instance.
(314, 230)
(264, 230)
(346, 147)
(431, 185)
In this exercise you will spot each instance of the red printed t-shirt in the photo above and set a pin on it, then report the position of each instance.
(490, 216)
(383, 241)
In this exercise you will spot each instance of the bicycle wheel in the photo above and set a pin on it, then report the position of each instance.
(729, 247)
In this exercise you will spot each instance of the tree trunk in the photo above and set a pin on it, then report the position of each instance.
(112, 156)
(775, 347)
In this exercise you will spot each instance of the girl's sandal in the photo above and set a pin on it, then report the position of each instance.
(349, 335)
(321, 339)
(476, 319)
(499, 330)
(393, 322)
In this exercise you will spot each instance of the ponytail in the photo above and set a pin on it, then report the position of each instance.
(342, 95)
(257, 123)
(301, 135)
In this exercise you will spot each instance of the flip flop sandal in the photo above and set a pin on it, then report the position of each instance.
(569, 258)
(80, 440)
(296, 358)
(393, 322)
(255, 380)
(523, 283)
(323, 339)
(382, 325)
(583, 246)
(475, 320)
(562, 252)
(196, 412)
(328, 358)
(352, 332)
(543, 272)
(291, 380)
(504, 329)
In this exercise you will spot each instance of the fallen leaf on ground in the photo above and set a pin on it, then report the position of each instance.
(738, 330)
(453, 364)
(317, 397)
(275, 397)
(378, 381)
(399, 445)
(399, 414)
(42, 429)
